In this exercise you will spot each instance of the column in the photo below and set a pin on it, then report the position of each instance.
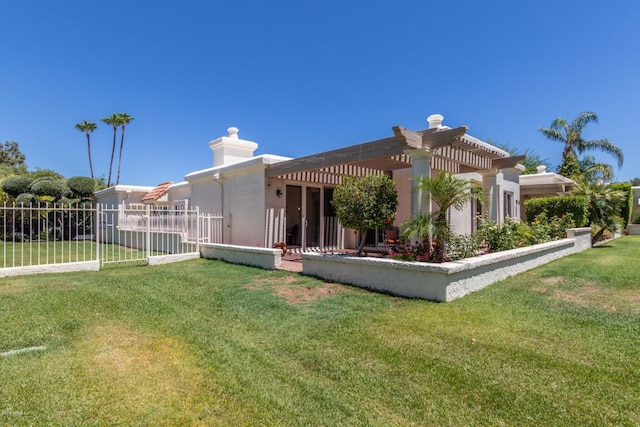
(491, 186)
(420, 169)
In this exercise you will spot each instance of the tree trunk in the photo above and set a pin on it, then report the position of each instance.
(113, 151)
(596, 237)
(89, 149)
(120, 157)
(363, 239)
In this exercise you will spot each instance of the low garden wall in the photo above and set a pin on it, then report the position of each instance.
(167, 259)
(266, 258)
(440, 282)
(50, 268)
(633, 229)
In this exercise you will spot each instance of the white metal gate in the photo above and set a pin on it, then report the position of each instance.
(137, 233)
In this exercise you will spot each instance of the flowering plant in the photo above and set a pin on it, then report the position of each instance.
(419, 252)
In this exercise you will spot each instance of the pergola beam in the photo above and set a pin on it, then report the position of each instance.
(507, 162)
(380, 154)
(360, 153)
(429, 138)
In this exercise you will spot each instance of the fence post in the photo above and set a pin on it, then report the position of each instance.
(198, 229)
(97, 228)
(148, 234)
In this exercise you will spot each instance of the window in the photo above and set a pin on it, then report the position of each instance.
(508, 204)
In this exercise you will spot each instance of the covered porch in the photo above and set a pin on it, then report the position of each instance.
(299, 210)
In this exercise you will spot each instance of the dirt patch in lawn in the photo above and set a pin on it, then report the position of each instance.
(587, 293)
(296, 291)
(130, 371)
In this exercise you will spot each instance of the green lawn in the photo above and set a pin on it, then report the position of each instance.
(208, 343)
(37, 253)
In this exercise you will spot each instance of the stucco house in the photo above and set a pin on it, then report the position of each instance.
(268, 198)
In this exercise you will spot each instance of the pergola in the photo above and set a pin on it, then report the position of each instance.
(437, 148)
(450, 150)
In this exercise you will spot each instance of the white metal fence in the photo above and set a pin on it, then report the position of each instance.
(45, 234)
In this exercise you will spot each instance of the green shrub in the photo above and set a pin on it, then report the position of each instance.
(364, 203)
(546, 230)
(463, 246)
(559, 206)
(49, 187)
(510, 234)
(26, 199)
(625, 206)
(636, 219)
(81, 187)
(16, 185)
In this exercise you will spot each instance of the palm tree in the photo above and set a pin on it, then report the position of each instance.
(603, 207)
(593, 171)
(447, 191)
(87, 128)
(124, 119)
(112, 120)
(570, 134)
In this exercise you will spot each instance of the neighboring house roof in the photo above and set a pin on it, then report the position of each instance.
(544, 183)
(123, 189)
(155, 194)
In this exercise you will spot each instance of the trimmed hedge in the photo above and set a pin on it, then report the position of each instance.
(26, 199)
(81, 186)
(558, 207)
(625, 208)
(49, 187)
(16, 185)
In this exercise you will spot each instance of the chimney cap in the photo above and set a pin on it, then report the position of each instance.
(435, 120)
(233, 132)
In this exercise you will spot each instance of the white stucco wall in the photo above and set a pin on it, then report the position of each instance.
(271, 197)
(180, 191)
(266, 258)
(440, 282)
(244, 206)
(119, 193)
(206, 193)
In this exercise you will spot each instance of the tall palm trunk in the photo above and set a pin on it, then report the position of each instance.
(87, 128)
(123, 120)
(89, 149)
(113, 151)
(120, 156)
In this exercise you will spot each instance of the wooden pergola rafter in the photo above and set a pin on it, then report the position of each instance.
(450, 150)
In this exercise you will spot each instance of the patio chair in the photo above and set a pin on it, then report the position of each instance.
(392, 237)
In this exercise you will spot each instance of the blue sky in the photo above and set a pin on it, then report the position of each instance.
(301, 77)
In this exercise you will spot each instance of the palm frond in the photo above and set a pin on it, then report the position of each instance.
(583, 119)
(552, 134)
(605, 146)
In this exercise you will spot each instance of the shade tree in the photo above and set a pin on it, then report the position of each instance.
(365, 203)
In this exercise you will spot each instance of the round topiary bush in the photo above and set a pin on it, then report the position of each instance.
(16, 185)
(26, 199)
(49, 187)
(81, 187)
